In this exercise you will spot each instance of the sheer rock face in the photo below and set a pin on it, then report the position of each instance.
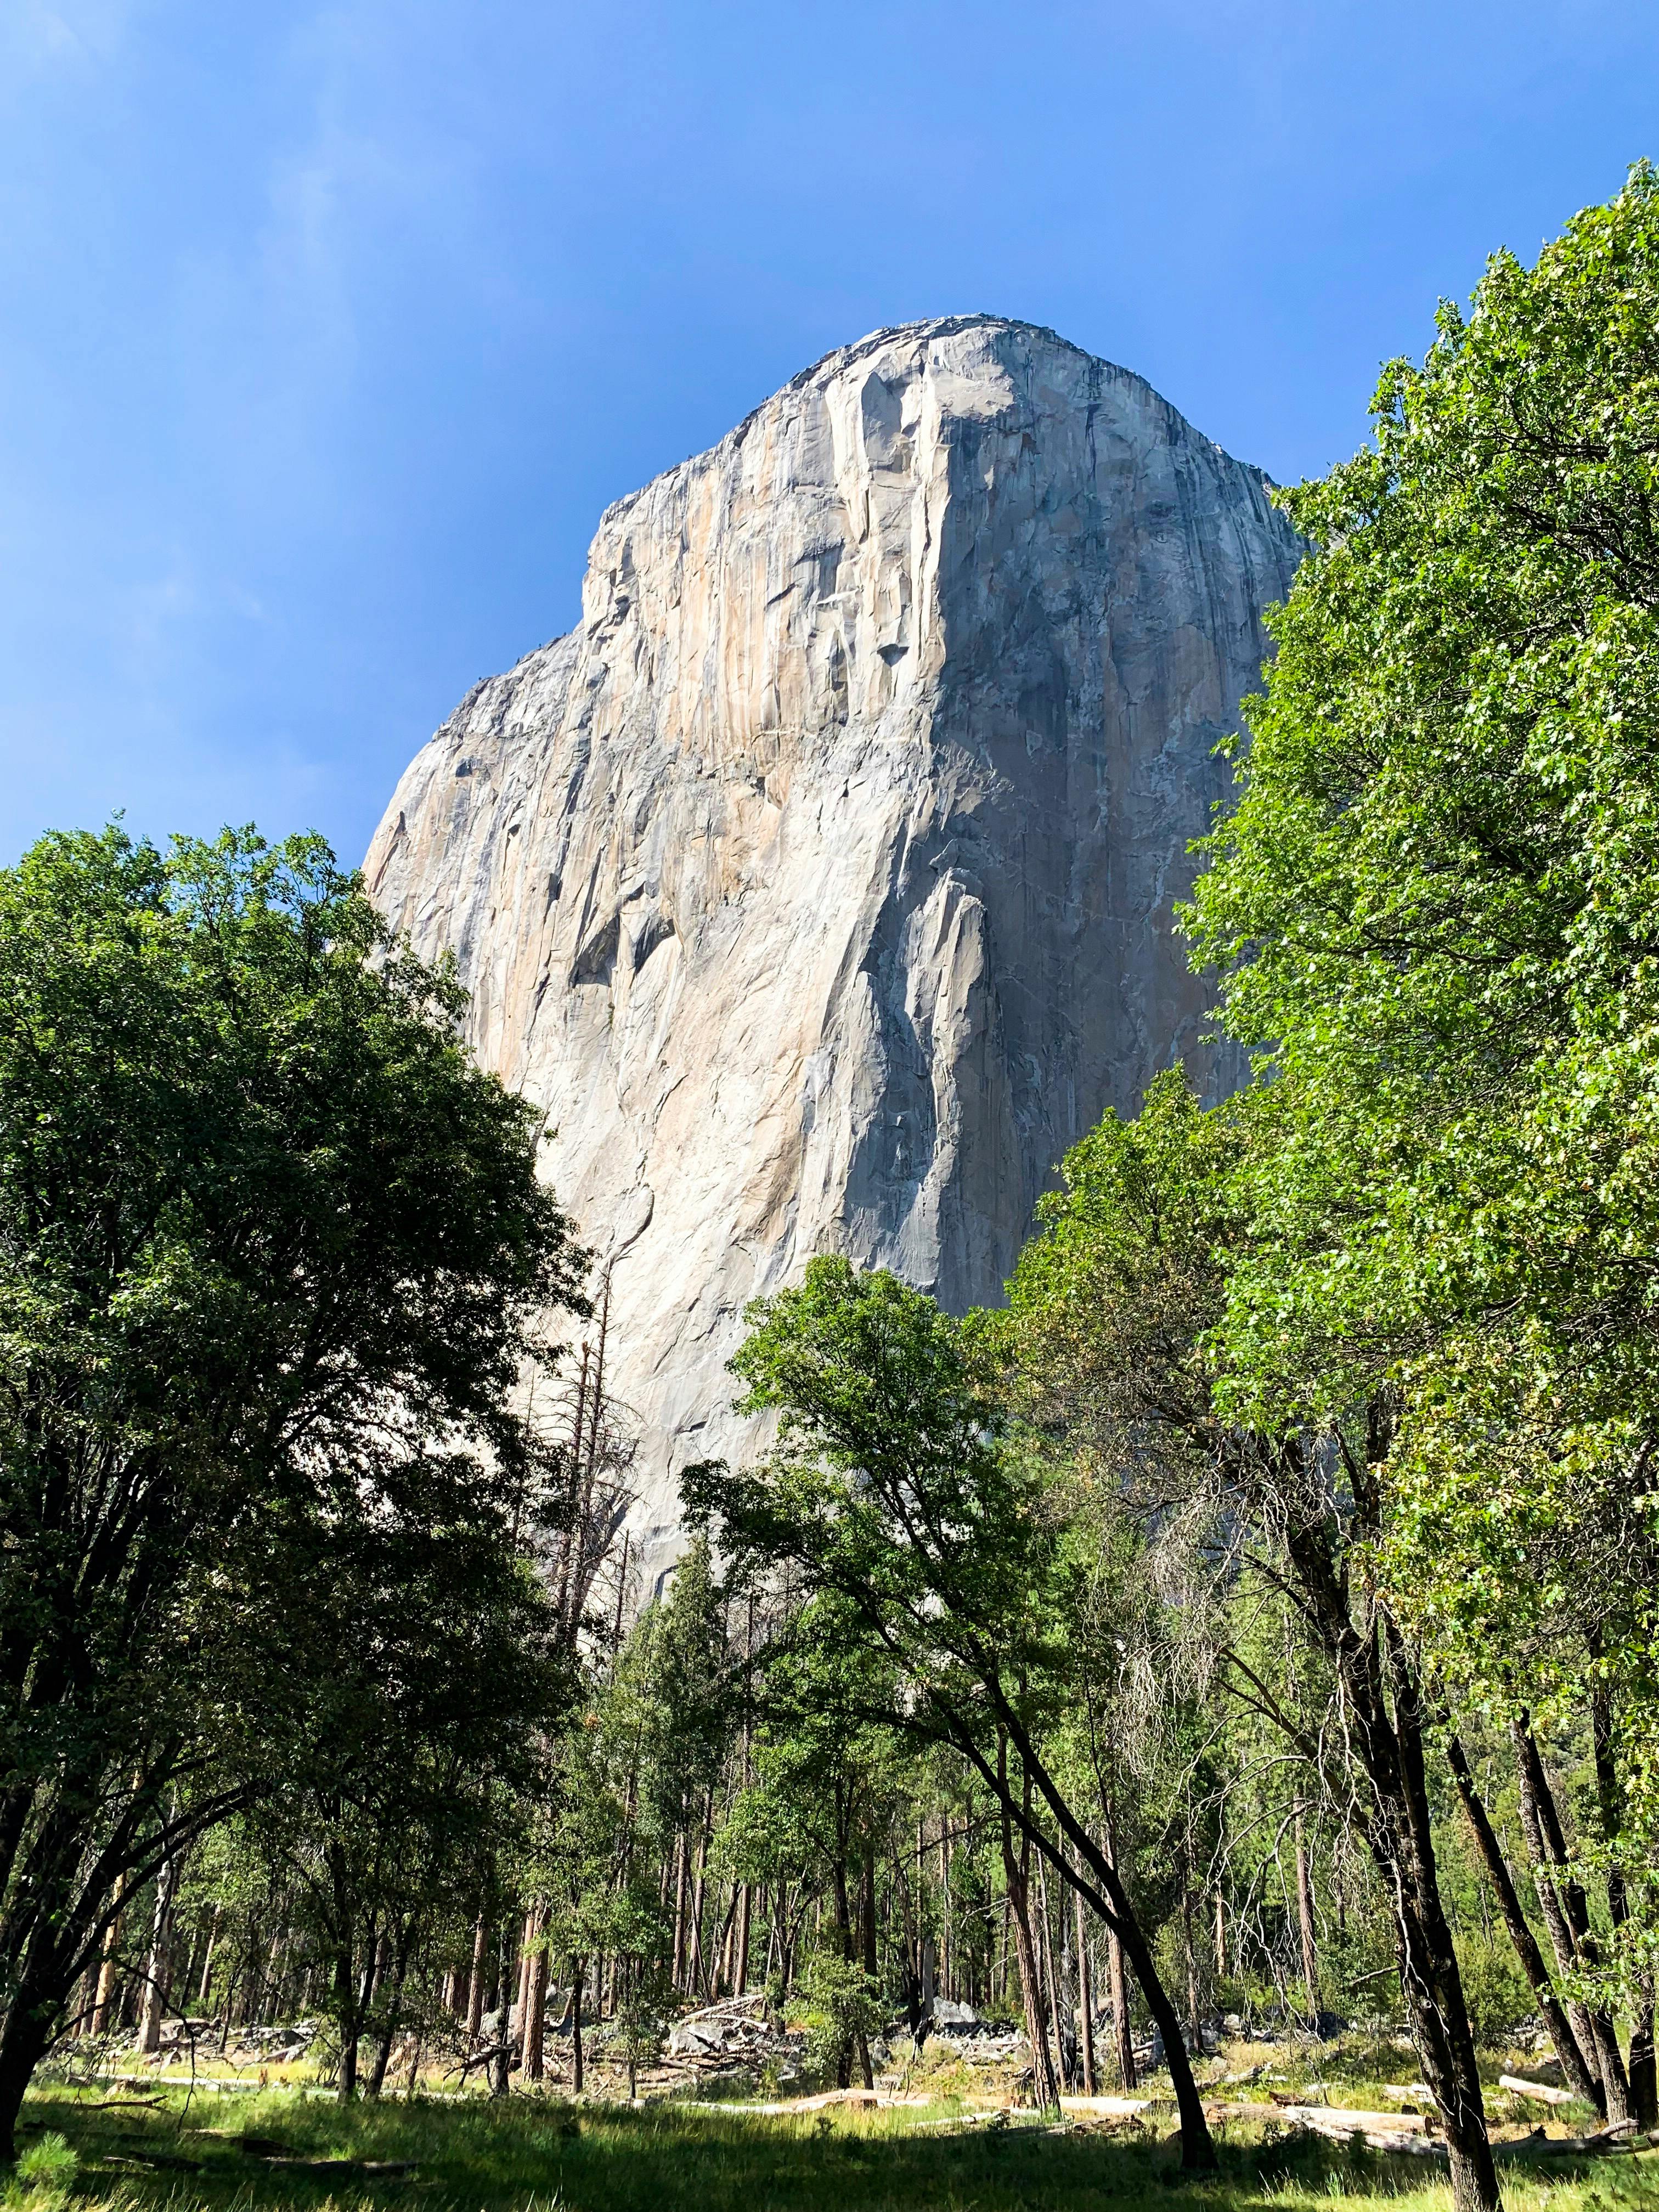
(818, 885)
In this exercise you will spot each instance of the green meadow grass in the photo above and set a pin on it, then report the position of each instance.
(531, 2154)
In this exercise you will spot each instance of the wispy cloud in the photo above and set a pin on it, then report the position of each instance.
(47, 34)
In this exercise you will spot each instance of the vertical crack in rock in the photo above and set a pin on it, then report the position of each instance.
(818, 886)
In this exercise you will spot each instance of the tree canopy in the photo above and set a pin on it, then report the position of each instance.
(270, 1249)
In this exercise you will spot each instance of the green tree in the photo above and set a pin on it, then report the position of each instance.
(430, 1669)
(890, 1488)
(269, 1249)
(1436, 903)
(1115, 1307)
(821, 1802)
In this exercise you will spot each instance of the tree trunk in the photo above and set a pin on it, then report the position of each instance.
(23, 2040)
(844, 1936)
(1380, 1686)
(526, 1970)
(1402, 1845)
(1045, 2090)
(1106, 1892)
(697, 1964)
(1086, 2001)
(1644, 2070)
(1642, 2102)
(500, 2066)
(1123, 2033)
(535, 2011)
(475, 1990)
(740, 1944)
(867, 1911)
(394, 2012)
(1194, 1995)
(155, 1976)
(1305, 1913)
(103, 1999)
(577, 1969)
(680, 1909)
(345, 2005)
(944, 1955)
(207, 1963)
(1050, 1979)
(1567, 1913)
(1575, 2066)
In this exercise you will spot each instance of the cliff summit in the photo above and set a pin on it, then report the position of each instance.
(818, 884)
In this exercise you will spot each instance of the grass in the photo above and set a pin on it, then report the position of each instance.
(546, 2154)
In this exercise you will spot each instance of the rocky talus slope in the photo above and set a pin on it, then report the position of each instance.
(818, 883)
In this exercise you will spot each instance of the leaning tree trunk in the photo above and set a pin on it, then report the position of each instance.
(1097, 1878)
(1045, 2090)
(1566, 1910)
(1575, 2066)
(1381, 1687)
(24, 2033)
(1644, 2101)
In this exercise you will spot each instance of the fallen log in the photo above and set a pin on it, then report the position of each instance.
(1407, 2132)
(1540, 2092)
(378, 2167)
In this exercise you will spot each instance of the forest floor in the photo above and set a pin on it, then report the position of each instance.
(162, 2148)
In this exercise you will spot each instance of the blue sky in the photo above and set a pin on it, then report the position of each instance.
(325, 332)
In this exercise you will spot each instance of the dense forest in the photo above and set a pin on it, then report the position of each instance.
(1254, 1619)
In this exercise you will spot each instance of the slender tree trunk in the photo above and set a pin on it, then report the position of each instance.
(1051, 1980)
(740, 1944)
(696, 1968)
(500, 2065)
(1194, 1986)
(867, 1911)
(160, 1937)
(526, 1969)
(207, 1963)
(475, 1988)
(1643, 2088)
(1644, 2070)
(1118, 1982)
(1575, 2066)
(1305, 1913)
(1567, 1913)
(1123, 2027)
(1085, 2000)
(679, 1908)
(577, 1968)
(945, 1959)
(107, 1972)
(1402, 1845)
(1045, 2090)
(844, 1936)
(393, 2011)
(1380, 1686)
(345, 2005)
(1112, 1899)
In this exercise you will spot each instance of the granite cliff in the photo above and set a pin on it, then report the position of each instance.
(817, 885)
